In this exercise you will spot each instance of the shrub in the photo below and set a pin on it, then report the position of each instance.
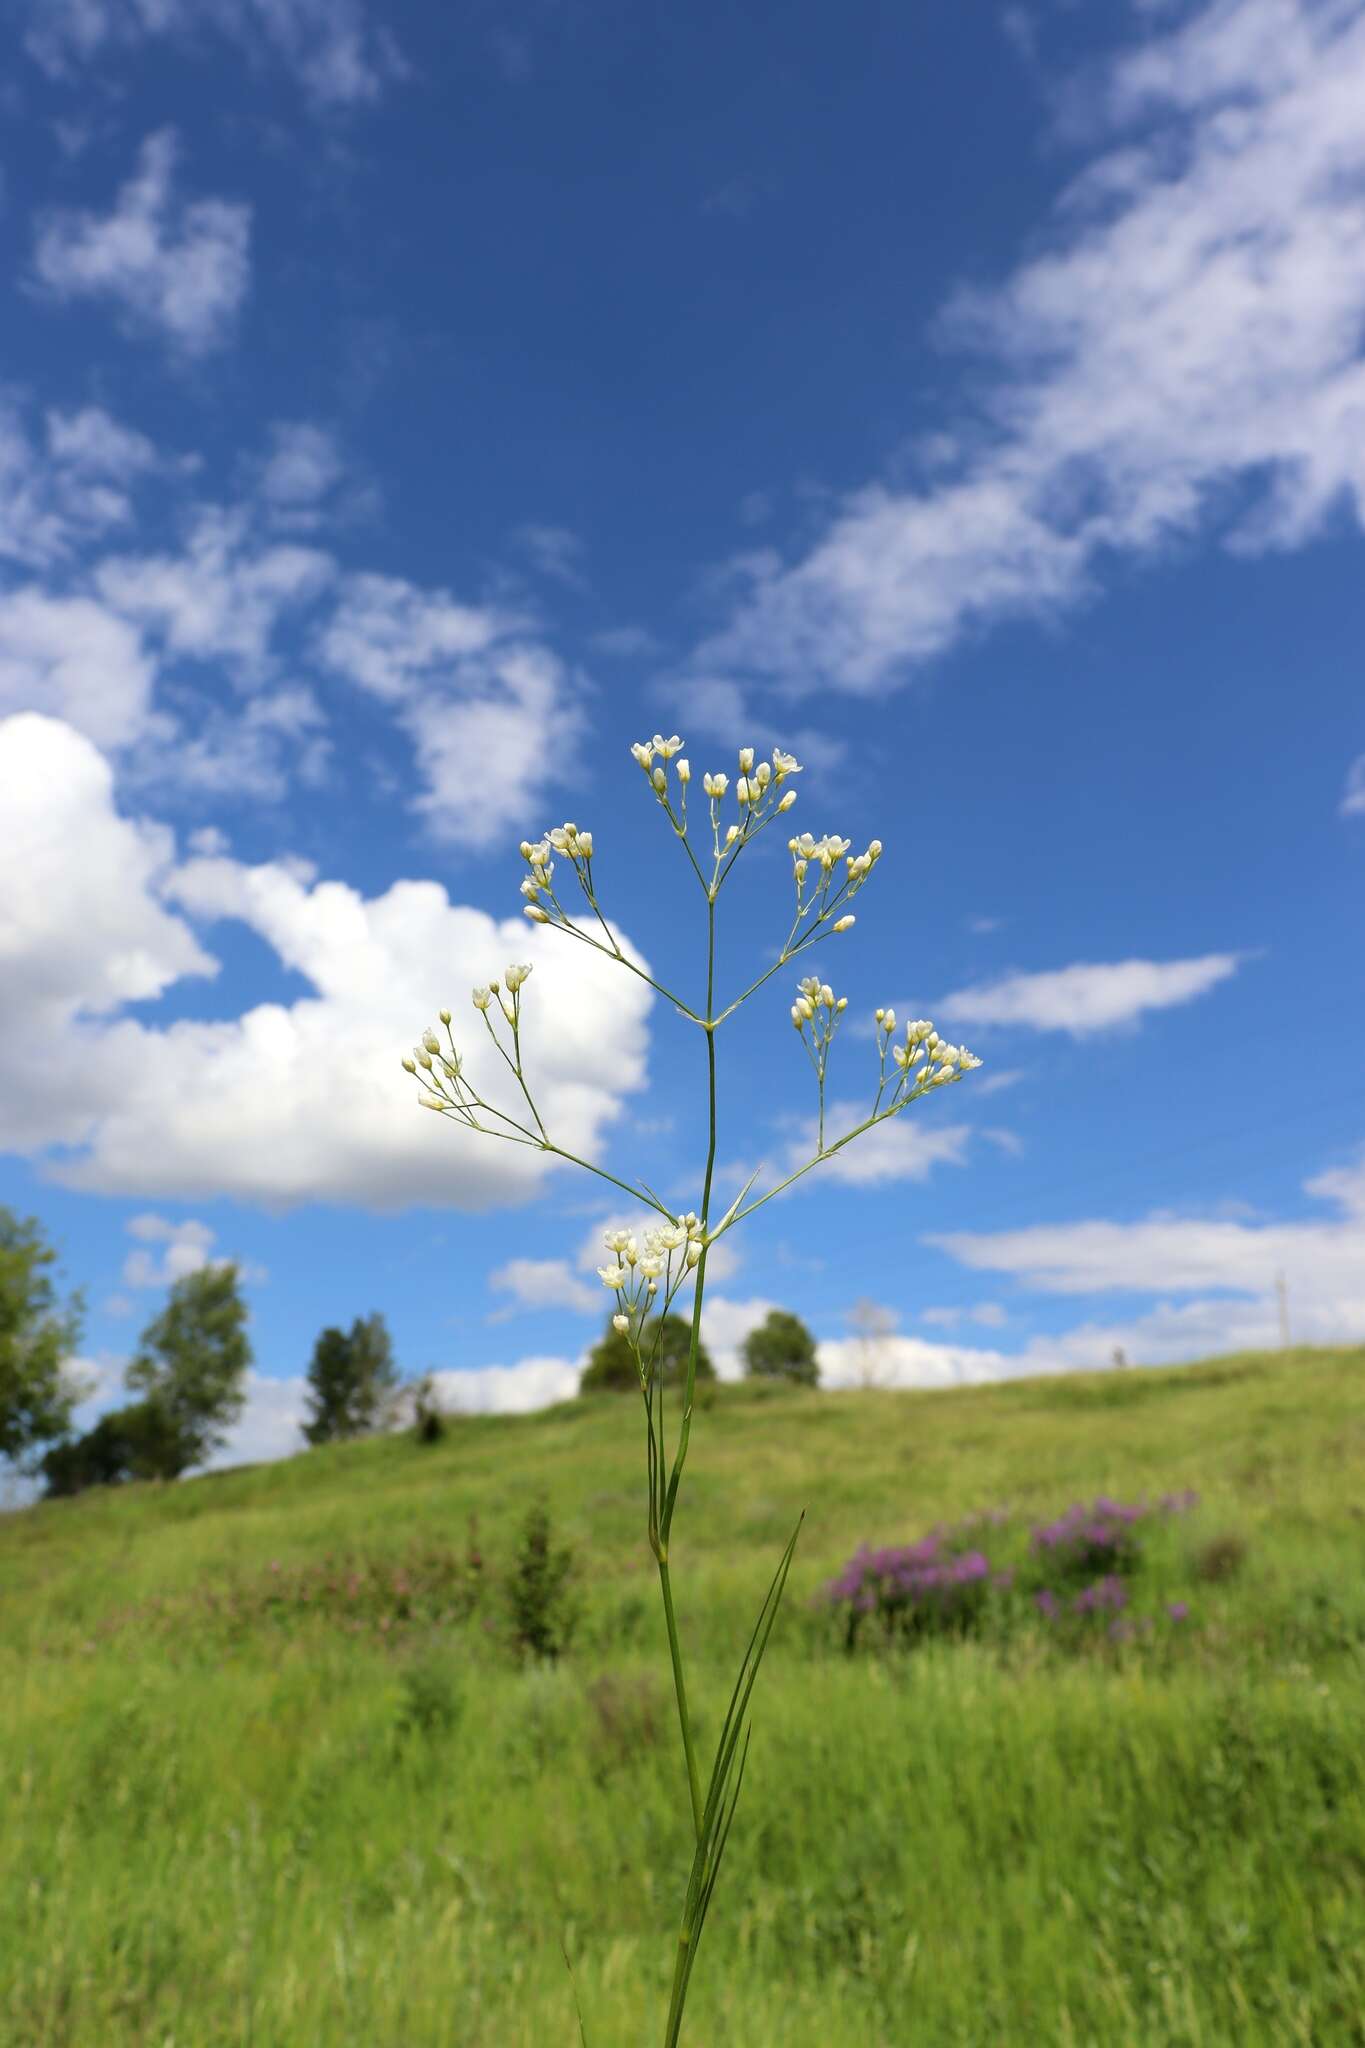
(540, 1600)
(917, 1590)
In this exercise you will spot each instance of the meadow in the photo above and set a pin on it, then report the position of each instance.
(273, 1775)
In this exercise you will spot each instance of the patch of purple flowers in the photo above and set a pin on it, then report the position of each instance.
(915, 1588)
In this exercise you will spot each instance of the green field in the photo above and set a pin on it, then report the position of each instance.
(262, 1785)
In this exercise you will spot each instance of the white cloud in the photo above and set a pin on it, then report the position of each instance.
(724, 1326)
(544, 1283)
(1167, 1254)
(466, 691)
(185, 1249)
(339, 56)
(988, 1313)
(555, 551)
(66, 486)
(303, 467)
(913, 1362)
(222, 596)
(903, 1148)
(508, 1389)
(179, 268)
(1353, 797)
(1185, 351)
(285, 1103)
(73, 658)
(270, 1425)
(1086, 998)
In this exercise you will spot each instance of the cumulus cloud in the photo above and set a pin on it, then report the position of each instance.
(75, 658)
(543, 1283)
(1187, 340)
(338, 54)
(467, 685)
(906, 1147)
(284, 1103)
(1088, 997)
(508, 1389)
(303, 468)
(184, 1247)
(177, 268)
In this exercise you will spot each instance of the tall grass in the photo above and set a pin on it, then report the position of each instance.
(226, 1821)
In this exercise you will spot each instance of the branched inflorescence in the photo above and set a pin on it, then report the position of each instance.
(649, 1267)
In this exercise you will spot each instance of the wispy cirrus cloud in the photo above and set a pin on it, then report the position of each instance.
(1184, 354)
(339, 54)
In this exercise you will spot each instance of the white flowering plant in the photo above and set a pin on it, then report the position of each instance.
(647, 1269)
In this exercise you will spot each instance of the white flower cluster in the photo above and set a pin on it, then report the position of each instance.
(758, 786)
(824, 855)
(816, 1002)
(926, 1057)
(445, 1071)
(640, 1262)
(538, 885)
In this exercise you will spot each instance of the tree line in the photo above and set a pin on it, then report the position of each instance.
(188, 1373)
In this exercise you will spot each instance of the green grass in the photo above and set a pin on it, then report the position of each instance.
(228, 1819)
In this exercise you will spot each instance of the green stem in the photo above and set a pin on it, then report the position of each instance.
(680, 1688)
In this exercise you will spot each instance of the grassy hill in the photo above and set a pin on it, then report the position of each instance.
(271, 1773)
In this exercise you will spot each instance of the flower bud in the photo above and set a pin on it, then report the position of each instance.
(888, 1018)
(585, 845)
(432, 1101)
(742, 790)
(684, 771)
(746, 760)
(788, 800)
(445, 1016)
(409, 1066)
(482, 998)
(660, 780)
(423, 1057)
(844, 924)
(732, 835)
(693, 1251)
(431, 1041)
(536, 914)
(798, 1019)
(621, 1325)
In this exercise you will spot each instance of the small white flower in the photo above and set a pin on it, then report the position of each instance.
(715, 785)
(621, 1325)
(660, 780)
(651, 1268)
(667, 748)
(612, 1276)
(616, 1240)
(431, 1041)
(844, 924)
(516, 975)
(693, 1251)
(482, 998)
(746, 760)
(887, 1018)
(763, 775)
(798, 1017)
(788, 800)
(643, 753)
(743, 794)
(684, 771)
(422, 1056)
(444, 1016)
(530, 888)
(732, 835)
(585, 845)
(785, 764)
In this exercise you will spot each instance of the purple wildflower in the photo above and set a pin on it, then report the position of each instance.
(1178, 1610)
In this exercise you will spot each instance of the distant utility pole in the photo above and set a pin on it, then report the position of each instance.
(1282, 1296)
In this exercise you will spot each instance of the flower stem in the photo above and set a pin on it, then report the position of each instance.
(680, 1688)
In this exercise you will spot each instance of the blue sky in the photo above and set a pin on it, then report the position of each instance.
(402, 410)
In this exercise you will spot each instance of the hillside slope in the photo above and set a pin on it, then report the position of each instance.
(272, 1773)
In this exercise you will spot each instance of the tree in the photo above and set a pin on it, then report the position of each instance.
(38, 1335)
(611, 1366)
(191, 1366)
(781, 1348)
(137, 1442)
(351, 1380)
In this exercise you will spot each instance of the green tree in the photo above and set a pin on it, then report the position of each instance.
(351, 1380)
(611, 1363)
(191, 1367)
(38, 1335)
(781, 1348)
(136, 1442)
